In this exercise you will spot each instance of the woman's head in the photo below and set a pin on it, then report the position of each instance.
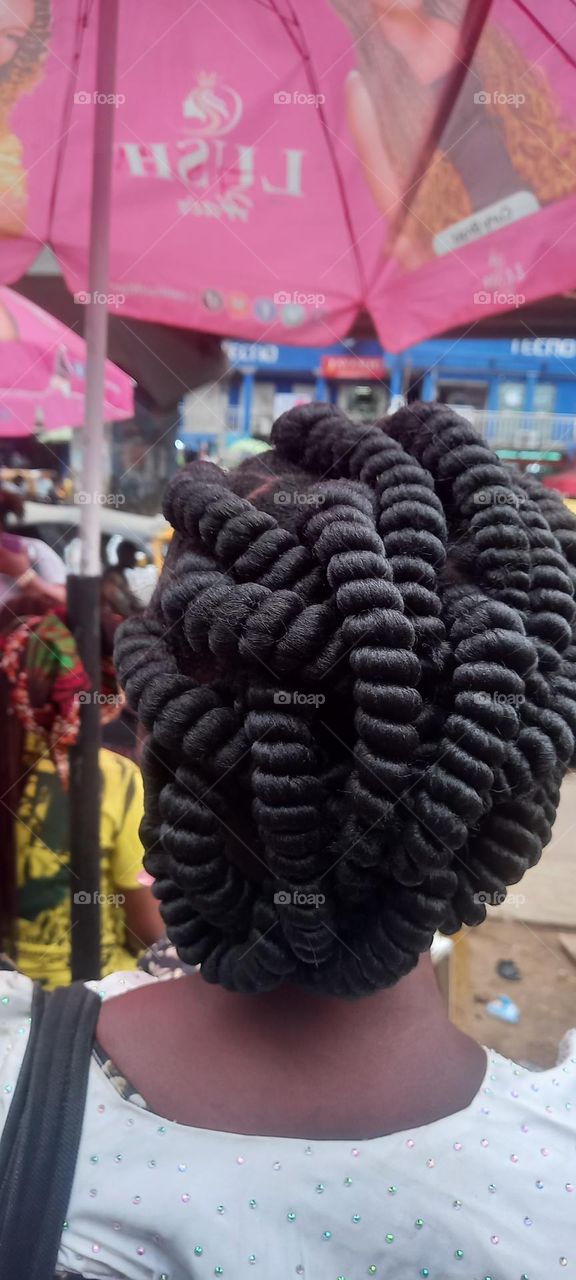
(358, 676)
(24, 29)
(11, 506)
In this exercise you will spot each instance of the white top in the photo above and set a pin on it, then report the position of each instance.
(43, 559)
(488, 1192)
(46, 562)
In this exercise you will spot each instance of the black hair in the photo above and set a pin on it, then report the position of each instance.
(358, 676)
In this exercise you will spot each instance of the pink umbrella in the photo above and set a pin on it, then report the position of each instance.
(43, 371)
(273, 177)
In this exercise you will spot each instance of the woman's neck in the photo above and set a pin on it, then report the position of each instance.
(292, 1063)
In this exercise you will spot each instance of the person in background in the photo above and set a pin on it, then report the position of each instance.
(45, 489)
(18, 485)
(140, 578)
(45, 561)
(42, 686)
(32, 575)
(116, 592)
(410, 53)
(119, 733)
(65, 488)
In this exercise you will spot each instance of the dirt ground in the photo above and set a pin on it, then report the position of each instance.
(545, 995)
(527, 928)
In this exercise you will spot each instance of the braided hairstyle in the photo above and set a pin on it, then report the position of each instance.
(358, 678)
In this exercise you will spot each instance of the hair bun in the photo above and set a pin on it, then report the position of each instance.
(360, 689)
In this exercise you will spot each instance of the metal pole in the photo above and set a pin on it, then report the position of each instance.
(84, 589)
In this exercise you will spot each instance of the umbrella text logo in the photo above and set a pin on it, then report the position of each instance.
(211, 108)
(214, 175)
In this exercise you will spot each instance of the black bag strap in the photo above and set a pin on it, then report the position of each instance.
(41, 1136)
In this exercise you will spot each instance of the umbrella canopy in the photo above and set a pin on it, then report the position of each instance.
(564, 482)
(42, 372)
(274, 177)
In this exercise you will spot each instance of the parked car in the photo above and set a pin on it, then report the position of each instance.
(58, 526)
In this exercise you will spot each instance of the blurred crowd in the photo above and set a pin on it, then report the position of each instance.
(42, 686)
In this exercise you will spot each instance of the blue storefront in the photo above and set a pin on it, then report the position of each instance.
(526, 384)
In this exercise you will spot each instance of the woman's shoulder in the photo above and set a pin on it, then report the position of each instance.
(15, 1006)
(15, 998)
(117, 984)
(545, 1098)
(567, 1050)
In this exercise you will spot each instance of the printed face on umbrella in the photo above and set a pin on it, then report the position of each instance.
(16, 19)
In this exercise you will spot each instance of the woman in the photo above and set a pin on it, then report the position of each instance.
(506, 121)
(358, 681)
(42, 687)
(29, 569)
(25, 28)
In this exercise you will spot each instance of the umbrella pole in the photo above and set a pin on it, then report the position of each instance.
(84, 588)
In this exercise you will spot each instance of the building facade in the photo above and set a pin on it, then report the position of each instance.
(520, 392)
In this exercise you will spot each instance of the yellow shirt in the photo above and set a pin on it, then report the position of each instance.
(43, 867)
